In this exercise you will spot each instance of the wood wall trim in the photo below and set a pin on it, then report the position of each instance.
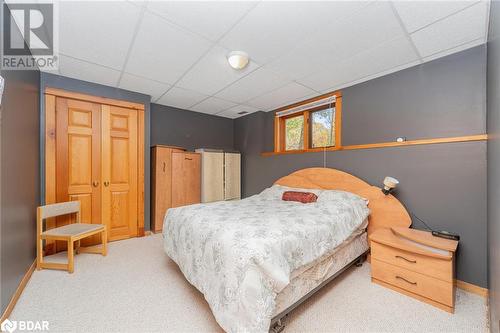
(468, 138)
(472, 288)
(140, 174)
(18, 292)
(50, 164)
(91, 98)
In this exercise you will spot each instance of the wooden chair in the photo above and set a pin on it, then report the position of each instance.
(70, 233)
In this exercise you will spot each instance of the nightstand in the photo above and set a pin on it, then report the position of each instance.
(415, 263)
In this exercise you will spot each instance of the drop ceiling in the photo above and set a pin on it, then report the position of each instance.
(176, 51)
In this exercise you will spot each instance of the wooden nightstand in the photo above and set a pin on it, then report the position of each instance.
(416, 264)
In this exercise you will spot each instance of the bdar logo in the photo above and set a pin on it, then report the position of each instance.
(8, 326)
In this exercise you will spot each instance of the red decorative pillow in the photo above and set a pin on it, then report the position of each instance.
(304, 197)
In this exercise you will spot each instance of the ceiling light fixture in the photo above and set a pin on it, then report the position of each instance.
(238, 59)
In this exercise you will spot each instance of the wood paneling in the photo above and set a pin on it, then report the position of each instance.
(186, 179)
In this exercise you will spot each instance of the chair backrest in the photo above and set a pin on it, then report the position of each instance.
(59, 209)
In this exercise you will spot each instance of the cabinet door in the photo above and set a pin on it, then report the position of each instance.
(78, 163)
(162, 193)
(186, 179)
(212, 177)
(232, 174)
(119, 171)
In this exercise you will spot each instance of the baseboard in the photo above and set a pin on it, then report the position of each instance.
(472, 288)
(18, 292)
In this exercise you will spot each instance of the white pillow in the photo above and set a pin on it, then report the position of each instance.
(275, 192)
(335, 195)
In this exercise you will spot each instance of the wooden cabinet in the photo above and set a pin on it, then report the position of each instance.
(176, 181)
(220, 175)
(416, 264)
(94, 155)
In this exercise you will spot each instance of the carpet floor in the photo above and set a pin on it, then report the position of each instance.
(137, 288)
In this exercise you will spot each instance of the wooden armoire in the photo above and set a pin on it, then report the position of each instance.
(175, 182)
(94, 153)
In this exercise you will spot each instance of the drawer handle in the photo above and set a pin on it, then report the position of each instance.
(402, 278)
(408, 260)
(187, 158)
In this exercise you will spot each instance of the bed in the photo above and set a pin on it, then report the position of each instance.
(257, 259)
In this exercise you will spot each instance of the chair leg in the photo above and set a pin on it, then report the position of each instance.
(71, 258)
(77, 248)
(104, 237)
(39, 254)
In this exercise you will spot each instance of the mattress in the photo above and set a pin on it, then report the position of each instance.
(305, 281)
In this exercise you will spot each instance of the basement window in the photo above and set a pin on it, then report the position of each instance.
(310, 125)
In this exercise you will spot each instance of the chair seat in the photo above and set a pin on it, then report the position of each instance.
(74, 229)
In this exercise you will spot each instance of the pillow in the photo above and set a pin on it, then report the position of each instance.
(334, 195)
(304, 197)
(275, 192)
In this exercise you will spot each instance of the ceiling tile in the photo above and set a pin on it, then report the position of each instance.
(254, 84)
(455, 50)
(418, 14)
(208, 18)
(85, 71)
(383, 57)
(98, 32)
(282, 96)
(273, 28)
(233, 112)
(212, 105)
(368, 27)
(212, 72)
(461, 28)
(181, 98)
(163, 52)
(145, 86)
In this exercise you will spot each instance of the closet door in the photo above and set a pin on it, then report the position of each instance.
(186, 179)
(78, 149)
(119, 171)
(232, 171)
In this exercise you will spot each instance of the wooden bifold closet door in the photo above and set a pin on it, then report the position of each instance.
(96, 156)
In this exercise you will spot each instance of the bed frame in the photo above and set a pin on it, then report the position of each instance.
(386, 212)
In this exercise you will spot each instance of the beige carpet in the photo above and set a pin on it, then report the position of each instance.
(136, 288)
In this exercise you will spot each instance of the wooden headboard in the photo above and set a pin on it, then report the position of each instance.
(386, 210)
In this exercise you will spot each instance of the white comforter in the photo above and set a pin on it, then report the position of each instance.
(240, 254)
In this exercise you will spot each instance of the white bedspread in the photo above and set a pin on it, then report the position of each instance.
(240, 254)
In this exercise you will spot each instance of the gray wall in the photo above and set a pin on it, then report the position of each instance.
(19, 177)
(494, 164)
(191, 130)
(443, 184)
(56, 81)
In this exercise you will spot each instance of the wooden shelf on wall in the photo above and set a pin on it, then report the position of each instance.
(468, 138)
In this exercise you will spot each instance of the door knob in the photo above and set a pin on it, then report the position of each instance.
(106, 184)
(95, 183)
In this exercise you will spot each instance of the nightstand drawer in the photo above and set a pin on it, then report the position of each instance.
(434, 267)
(434, 289)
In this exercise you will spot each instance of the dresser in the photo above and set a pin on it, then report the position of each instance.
(416, 264)
(176, 181)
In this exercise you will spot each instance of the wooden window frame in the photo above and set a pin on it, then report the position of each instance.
(279, 124)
